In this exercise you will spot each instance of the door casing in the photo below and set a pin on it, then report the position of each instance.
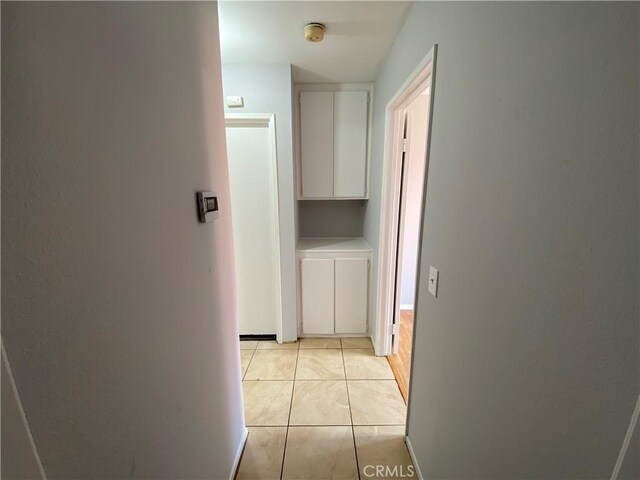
(423, 74)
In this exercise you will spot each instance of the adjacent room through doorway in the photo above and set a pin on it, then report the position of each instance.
(416, 116)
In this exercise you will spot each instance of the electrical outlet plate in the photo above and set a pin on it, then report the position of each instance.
(433, 281)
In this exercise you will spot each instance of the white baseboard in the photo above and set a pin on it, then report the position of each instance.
(409, 306)
(413, 458)
(236, 461)
(627, 438)
(23, 417)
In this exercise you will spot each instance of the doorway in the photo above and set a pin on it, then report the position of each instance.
(405, 171)
(413, 164)
(251, 151)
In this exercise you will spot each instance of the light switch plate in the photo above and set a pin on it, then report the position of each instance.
(234, 101)
(433, 281)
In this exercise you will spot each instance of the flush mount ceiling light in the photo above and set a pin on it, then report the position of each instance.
(314, 32)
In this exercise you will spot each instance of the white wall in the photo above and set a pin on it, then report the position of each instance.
(117, 305)
(527, 363)
(418, 112)
(268, 89)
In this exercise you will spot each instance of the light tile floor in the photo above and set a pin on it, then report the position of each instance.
(321, 408)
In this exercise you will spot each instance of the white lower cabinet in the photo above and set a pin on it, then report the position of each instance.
(334, 285)
(318, 295)
(351, 294)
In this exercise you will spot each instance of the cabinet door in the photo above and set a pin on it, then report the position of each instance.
(317, 296)
(316, 144)
(350, 144)
(351, 294)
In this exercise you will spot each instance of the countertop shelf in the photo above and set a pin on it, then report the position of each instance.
(346, 244)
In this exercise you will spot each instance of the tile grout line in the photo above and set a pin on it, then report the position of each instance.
(353, 431)
(283, 379)
(253, 352)
(295, 380)
(286, 435)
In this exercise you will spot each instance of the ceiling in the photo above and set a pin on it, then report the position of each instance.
(358, 36)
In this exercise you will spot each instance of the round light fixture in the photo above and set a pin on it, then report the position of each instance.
(314, 32)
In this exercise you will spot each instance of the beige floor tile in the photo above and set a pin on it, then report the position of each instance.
(273, 345)
(263, 454)
(248, 344)
(320, 364)
(320, 343)
(321, 453)
(272, 365)
(363, 364)
(267, 403)
(245, 359)
(357, 342)
(320, 402)
(383, 446)
(376, 402)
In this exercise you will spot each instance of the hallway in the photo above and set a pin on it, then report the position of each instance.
(321, 408)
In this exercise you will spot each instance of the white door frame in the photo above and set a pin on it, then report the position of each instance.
(266, 120)
(391, 188)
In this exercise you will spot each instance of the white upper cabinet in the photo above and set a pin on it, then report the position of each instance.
(333, 144)
(316, 144)
(349, 144)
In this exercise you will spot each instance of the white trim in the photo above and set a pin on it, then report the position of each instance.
(413, 458)
(23, 417)
(627, 439)
(239, 452)
(434, 59)
(406, 306)
(333, 87)
(267, 120)
(425, 71)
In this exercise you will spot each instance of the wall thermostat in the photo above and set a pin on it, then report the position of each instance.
(207, 206)
(234, 101)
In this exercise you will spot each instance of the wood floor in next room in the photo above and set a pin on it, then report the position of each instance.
(321, 408)
(401, 362)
